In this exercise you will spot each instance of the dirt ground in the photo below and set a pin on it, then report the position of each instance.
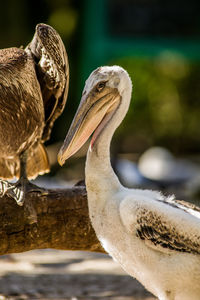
(62, 275)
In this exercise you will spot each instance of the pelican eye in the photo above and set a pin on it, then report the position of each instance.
(100, 86)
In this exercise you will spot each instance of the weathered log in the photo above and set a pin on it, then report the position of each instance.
(62, 222)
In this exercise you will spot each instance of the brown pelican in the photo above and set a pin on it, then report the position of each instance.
(156, 239)
(33, 93)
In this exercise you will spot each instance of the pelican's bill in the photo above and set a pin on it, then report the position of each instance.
(93, 107)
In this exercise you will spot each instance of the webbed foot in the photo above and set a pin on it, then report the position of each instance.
(18, 192)
(24, 185)
(12, 191)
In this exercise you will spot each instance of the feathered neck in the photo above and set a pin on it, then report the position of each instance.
(98, 166)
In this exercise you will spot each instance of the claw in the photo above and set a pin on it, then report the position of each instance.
(4, 186)
(12, 191)
(18, 195)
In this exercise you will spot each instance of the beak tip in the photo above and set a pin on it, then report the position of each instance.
(60, 160)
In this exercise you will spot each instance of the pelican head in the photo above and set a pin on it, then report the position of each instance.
(101, 98)
(42, 32)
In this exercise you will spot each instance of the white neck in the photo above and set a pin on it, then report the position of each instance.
(99, 172)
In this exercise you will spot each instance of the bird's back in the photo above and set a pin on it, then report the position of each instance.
(21, 115)
(21, 105)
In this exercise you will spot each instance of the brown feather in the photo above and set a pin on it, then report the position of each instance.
(52, 70)
(37, 162)
(33, 93)
(151, 228)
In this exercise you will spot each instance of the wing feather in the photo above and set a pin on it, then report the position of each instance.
(52, 70)
(162, 224)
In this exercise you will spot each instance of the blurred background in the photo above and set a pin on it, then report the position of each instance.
(159, 45)
(157, 145)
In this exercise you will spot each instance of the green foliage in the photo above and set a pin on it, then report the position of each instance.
(64, 20)
(165, 109)
(165, 106)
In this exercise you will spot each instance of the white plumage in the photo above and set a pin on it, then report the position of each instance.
(155, 239)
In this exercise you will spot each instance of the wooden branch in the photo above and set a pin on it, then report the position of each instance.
(62, 222)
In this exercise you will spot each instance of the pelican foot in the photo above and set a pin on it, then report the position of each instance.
(18, 190)
(27, 187)
(7, 188)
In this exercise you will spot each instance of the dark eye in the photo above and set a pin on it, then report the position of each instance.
(100, 86)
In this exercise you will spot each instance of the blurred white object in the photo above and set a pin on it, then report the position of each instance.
(53, 183)
(159, 164)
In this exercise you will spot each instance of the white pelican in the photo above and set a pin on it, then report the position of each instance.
(154, 238)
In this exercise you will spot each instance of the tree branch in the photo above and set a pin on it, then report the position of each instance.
(62, 222)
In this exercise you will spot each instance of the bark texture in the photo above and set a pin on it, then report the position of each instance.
(62, 222)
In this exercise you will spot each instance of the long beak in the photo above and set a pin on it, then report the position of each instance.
(88, 116)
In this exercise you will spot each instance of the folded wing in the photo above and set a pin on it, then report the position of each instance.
(164, 225)
(52, 68)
